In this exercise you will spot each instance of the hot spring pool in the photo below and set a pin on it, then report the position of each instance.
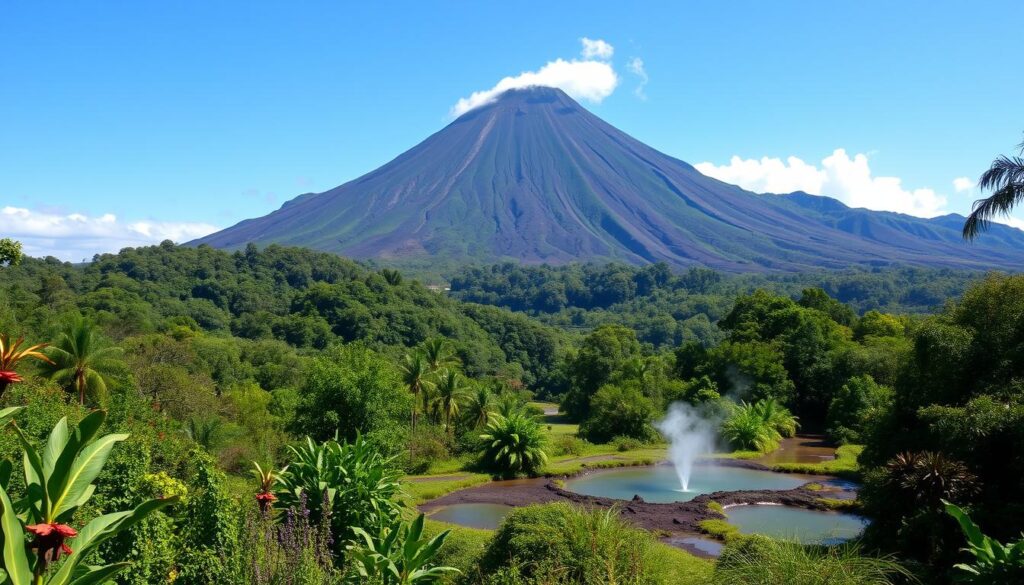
(487, 516)
(660, 484)
(806, 526)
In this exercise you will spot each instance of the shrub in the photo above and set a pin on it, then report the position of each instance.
(353, 480)
(758, 560)
(618, 410)
(758, 426)
(538, 543)
(623, 444)
(513, 444)
(569, 445)
(855, 404)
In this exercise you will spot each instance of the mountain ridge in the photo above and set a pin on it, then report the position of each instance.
(534, 177)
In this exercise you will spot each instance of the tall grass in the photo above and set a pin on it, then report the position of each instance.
(758, 560)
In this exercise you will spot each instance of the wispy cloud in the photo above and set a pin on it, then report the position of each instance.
(76, 237)
(847, 178)
(591, 78)
(636, 67)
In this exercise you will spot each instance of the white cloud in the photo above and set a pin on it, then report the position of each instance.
(962, 184)
(846, 178)
(636, 67)
(596, 49)
(589, 79)
(76, 236)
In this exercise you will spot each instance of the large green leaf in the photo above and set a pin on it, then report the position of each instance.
(63, 457)
(84, 470)
(35, 479)
(101, 529)
(94, 576)
(8, 413)
(15, 558)
(55, 444)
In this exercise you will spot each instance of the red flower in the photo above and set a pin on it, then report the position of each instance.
(9, 377)
(264, 499)
(49, 541)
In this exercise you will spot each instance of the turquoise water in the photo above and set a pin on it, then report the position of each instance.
(660, 484)
(487, 516)
(805, 526)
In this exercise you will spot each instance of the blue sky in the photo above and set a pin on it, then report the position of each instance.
(122, 122)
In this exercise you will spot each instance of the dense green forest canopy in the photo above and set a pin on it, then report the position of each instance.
(212, 360)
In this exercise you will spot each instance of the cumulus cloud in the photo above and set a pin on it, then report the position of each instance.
(962, 184)
(636, 67)
(596, 49)
(839, 175)
(76, 237)
(587, 79)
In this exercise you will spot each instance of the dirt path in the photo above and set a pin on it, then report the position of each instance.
(430, 478)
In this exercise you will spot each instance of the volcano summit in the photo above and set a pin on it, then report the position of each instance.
(534, 177)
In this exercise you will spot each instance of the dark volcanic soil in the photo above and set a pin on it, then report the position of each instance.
(674, 518)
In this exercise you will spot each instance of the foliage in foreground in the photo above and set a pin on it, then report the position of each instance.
(351, 485)
(59, 481)
(994, 563)
(759, 560)
(560, 543)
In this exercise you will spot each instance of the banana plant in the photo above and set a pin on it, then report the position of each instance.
(994, 562)
(58, 482)
(399, 555)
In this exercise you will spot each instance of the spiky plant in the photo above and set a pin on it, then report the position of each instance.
(746, 429)
(776, 415)
(12, 352)
(514, 444)
(1005, 179)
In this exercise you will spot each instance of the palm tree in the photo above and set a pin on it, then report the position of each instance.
(10, 354)
(479, 408)
(1005, 178)
(776, 415)
(81, 361)
(415, 376)
(514, 444)
(451, 390)
(439, 354)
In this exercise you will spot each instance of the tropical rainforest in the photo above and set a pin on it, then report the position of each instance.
(188, 415)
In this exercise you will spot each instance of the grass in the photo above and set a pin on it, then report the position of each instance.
(678, 567)
(715, 507)
(758, 560)
(462, 548)
(720, 529)
(840, 505)
(844, 465)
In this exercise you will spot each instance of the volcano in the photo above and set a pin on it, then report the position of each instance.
(536, 178)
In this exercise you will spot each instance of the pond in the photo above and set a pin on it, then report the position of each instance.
(660, 484)
(487, 516)
(805, 526)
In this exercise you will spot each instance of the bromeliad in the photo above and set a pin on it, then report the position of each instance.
(11, 353)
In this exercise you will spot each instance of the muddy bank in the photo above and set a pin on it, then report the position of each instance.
(663, 519)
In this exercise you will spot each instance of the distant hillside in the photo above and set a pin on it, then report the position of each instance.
(536, 178)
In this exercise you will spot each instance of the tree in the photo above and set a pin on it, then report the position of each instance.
(603, 353)
(415, 377)
(10, 252)
(1005, 178)
(858, 402)
(479, 407)
(618, 410)
(81, 360)
(439, 354)
(451, 392)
